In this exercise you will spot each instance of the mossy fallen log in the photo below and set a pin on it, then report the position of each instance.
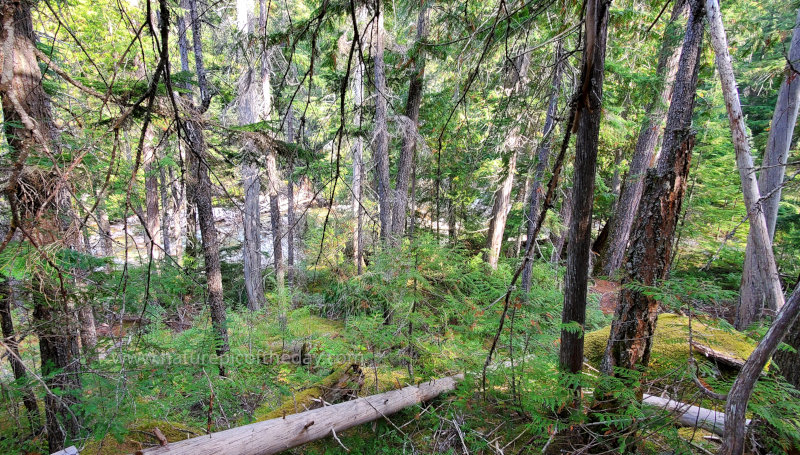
(283, 433)
(342, 384)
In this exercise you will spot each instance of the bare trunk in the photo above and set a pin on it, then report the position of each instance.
(587, 127)
(188, 158)
(29, 132)
(739, 395)
(753, 297)
(565, 214)
(251, 248)
(152, 218)
(759, 231)
(17, 367)
(381, 129)
(290, 216)
(648, 258)
(358, 159)
(542, 158)
(500, 209)
(275, 217)
(106, 243)
(622, 220)
(407, 153)
(163, 186)
(515, 77)
(199, 187)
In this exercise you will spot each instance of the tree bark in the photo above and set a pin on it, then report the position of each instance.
(404, 165)
(559, 238)
(188, 158)
(500, 209)
(542, 157)
(45, 222)
(789, 362)
(358, 157)
(739, 395)
(514, 79)
(277, 435)
(622, 219)
(648, 258)
(199, 188)
(381, 129)
(753, 297)
(163, 186)
(588, 113)
(152, 218)
(17, 367)
(106, 242)
(759, 231)
(290, 215)
(251, 248)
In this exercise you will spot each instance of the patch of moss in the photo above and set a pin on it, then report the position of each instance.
(387, 379)
(303, 324)
(140, 436)
(671, 343)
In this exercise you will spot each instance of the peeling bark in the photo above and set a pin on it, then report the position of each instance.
(648, 258)
(622, 220)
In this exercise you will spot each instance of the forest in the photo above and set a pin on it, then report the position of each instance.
(399, 227)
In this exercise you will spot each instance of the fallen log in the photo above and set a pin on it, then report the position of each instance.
(276, 435)
(690, 415)
(342, 384)
(721, 357)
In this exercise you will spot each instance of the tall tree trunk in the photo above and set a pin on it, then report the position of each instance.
(187, 157)
(643, 155)
(251, 249)
(752, 295)
(163, 186)
(739, 395)
(106, 242)
(648, 258)
(500, 209)
(588, 113)
(358, 157)
(152, 218)
(542, 158)
(381, 129)
(273, 176)
(30, 133)
(515, 78)
(199, 188)
(559, 238)
(407, 153)
(290, 215)
(178, 194)
(17, 367)
(759, 230)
